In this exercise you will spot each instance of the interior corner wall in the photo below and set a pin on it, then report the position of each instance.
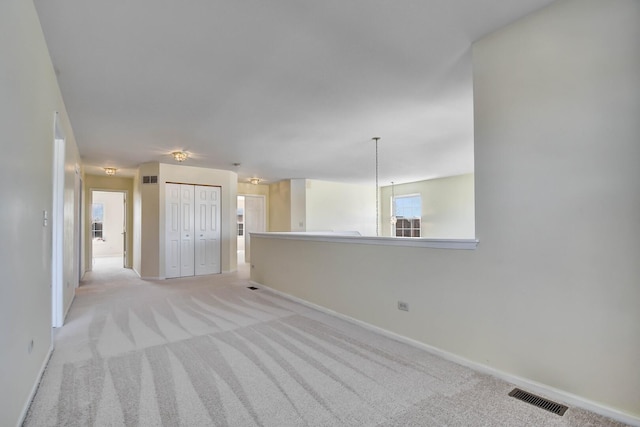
(557, 102)
(108, 183)
(298, 205)
(29, 97)
(149, 201)
(448, 206)
(280, 206)
(335, 206)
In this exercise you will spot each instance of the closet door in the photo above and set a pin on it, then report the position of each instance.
(187, 230)
(172, 230)
(207, 222)
(179, 230)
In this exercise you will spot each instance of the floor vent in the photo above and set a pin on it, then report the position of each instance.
(538, 401)
(253, 288)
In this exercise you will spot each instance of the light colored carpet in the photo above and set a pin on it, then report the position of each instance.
(208, 351)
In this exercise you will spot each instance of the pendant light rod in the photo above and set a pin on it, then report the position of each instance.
(376, 139)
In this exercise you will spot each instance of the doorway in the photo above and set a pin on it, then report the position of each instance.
(251, 219)
(108, 229)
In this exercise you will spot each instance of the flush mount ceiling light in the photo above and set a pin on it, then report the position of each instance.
(110, 171)
(179, 156)
(254, 181)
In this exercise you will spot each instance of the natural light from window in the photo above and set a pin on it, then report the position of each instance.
(407, 210)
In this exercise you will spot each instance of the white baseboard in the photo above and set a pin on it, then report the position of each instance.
(533, 386)
(73, 298)
(34, 389)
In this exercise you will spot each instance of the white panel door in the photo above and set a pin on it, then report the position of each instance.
(172, 230)
(253, 221)
(187, 230)
(207, 227)
(179, 230)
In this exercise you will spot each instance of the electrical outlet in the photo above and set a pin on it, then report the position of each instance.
(404, 306)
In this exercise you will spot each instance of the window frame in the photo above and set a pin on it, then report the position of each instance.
(406, 226)
(97, 224)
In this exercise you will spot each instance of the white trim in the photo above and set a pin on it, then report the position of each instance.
(467, 244)
(73, 298)
(34, 389)
(536, 387)
(57, 227)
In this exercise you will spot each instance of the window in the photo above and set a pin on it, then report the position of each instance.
(407, 211)
(97, 219)
(240, 216)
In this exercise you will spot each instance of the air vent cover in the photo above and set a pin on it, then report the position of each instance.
(150, 179)
(538, 401)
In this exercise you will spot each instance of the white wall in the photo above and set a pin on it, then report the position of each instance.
(448, 206)
(551, 294)
(29, 96)
(298, 205)
(333, 206)
(557, 101)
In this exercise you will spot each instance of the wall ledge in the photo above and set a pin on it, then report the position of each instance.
(465, 244)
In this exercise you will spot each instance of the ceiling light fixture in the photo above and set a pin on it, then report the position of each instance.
(110, 171)
(179, 156)
(254, 181)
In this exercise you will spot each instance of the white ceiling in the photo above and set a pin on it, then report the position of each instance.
(289, 89)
